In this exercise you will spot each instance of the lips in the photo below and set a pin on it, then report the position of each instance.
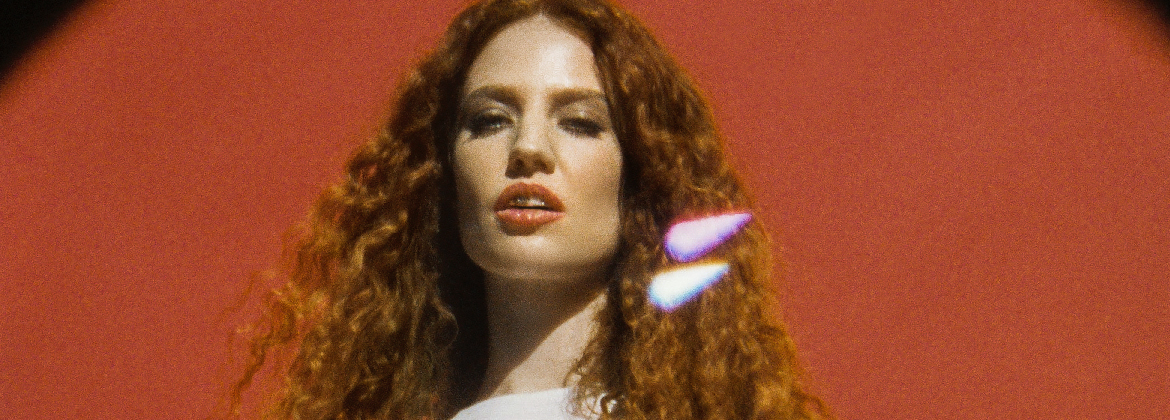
(522, 207)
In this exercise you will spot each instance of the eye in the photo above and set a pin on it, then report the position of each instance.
(582, 126)
(487, 123)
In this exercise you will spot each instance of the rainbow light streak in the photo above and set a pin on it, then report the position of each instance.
(689, 240)
(672, 288)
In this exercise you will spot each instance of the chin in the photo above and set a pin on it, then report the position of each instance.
(537, 258)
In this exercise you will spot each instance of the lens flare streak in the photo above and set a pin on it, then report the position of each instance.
(687, 241)
(674, 287)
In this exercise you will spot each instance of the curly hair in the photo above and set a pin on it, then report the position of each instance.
(383, 314)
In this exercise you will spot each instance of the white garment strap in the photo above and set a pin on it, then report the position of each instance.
(552, 404)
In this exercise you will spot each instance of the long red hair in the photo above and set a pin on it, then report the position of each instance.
(383, 314)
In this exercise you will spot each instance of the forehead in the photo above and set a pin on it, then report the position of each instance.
(537, 54)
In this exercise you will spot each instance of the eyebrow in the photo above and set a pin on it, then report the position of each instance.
(511, 97)
(507, 95)
(564, 97)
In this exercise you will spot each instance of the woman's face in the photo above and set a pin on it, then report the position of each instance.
(537, 164)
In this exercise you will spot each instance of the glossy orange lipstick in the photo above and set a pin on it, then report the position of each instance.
(522, 207)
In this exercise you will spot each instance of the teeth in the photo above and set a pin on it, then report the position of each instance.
(527, 202)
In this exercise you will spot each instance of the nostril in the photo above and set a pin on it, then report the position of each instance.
(523, 163)
(518, 167)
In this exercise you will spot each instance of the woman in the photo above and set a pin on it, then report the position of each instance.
(495, 243)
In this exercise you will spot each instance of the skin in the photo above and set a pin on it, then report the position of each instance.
(533, 111)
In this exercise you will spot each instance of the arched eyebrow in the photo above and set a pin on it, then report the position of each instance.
(503, 94)
(511, 97)
(562, 97)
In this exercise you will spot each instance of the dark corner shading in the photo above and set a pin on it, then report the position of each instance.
(25, 22)
(1163, 9)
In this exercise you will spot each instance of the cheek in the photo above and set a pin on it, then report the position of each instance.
(471, 166)
(600, 172)
(468, 180)
(608, 178)
(468, 172)
(610, 163)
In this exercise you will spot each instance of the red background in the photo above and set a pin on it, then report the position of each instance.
(972, 196)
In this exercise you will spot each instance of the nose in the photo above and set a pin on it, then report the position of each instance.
(530, 153)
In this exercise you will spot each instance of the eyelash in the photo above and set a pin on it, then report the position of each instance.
(486, 124)
(582, 127)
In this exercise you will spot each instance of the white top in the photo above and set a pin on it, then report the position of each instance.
(553, 404)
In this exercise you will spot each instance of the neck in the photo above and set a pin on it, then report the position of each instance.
(538, 330)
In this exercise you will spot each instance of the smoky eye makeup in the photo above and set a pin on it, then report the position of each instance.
(480, 116)
(488, 110)
(584, 127)
(584, 118)
(487, 122)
